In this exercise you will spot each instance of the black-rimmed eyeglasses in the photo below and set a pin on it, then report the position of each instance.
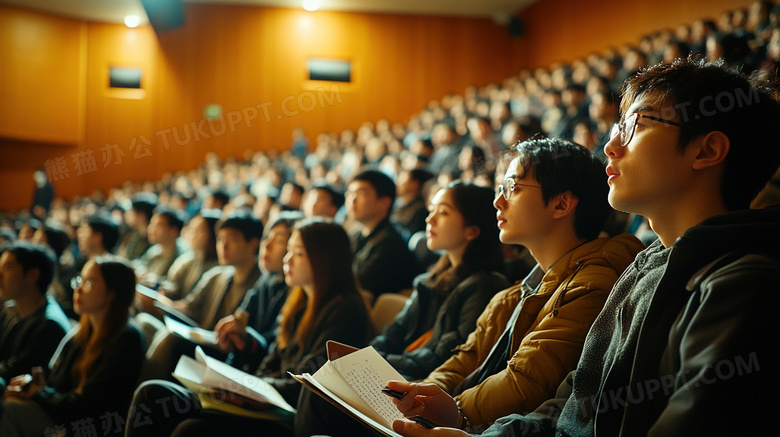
(627, 127)
(508, 187)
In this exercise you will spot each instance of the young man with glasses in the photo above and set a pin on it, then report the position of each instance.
(553, 201)
(686, 342)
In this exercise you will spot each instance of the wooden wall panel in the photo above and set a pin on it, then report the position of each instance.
(40, 77)
(251, 60)
(563, 30)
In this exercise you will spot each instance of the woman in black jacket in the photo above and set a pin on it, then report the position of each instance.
(95, 369)
(323, 304)
(447, 300)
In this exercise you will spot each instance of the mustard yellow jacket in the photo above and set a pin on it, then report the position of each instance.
(548, 336)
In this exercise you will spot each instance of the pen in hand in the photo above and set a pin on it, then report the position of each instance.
(393, 393)
(418, 419)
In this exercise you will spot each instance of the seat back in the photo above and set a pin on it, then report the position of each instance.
(386, 307)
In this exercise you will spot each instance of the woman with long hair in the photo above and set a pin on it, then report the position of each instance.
(445, 304)
(92, 374)
(323, 304)
(448, 298)
(189, 267)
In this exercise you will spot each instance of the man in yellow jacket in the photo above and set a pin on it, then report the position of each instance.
(553, 201)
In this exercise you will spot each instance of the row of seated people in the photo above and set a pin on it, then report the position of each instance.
(533, 170)
(441, 313)
(666, 348)
(464, 415)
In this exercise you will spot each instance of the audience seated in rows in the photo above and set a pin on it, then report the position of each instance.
(97, 235)
(90, 379)
(246, 341)
(135, 242)
(31, 322)
(675, 350)
(186, 271)
(382, 261)
(445, 303)
(163, 234)
(323, 304)
(218, 293)
(553, 201)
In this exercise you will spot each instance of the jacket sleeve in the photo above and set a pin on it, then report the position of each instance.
(727, 337)
(344, 321)
(40, 346)
(467, 356)
(540, 423)
(109, 387)
(545, 355)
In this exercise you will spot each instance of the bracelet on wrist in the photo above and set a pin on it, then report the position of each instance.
(464, 421)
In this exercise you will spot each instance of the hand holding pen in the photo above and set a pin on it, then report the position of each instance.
(427, 401)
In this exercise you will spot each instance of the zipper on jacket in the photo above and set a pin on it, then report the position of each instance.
(559, 300)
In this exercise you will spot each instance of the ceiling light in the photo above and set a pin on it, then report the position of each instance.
(312, 5)
(132, 21)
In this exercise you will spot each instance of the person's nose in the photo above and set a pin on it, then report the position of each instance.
(613, 149)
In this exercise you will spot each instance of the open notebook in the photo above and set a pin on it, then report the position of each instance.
(352, 380)
(222, 388)
(192, 333)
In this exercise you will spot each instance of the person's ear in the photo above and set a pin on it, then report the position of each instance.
(387, 202)
(711, 150)
(564, 204)
(33, 274)
(472, 232)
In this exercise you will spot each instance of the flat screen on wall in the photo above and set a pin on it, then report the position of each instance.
(333, 70)
(124, 77)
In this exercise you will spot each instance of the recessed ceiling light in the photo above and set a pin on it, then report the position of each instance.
(312, 5)
(132, 21)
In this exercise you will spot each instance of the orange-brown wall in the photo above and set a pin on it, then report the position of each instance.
(563, 30)
(251, 61)
(55, 103)
(41, 96)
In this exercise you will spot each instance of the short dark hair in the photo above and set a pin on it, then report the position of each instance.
(174, 217)
(336, 195)
(295, 186)
(243, 222)
(8, 234)
(560, 165)
(56, 237)
(420, 175)
(34, 256)
(384, 186)
(145, 203)
(103, 225)
(709, 97)
(286, 218)
(220, 196)
(30, 221)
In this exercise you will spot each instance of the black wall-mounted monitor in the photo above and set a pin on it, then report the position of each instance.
(329, 69)
(124, 77)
